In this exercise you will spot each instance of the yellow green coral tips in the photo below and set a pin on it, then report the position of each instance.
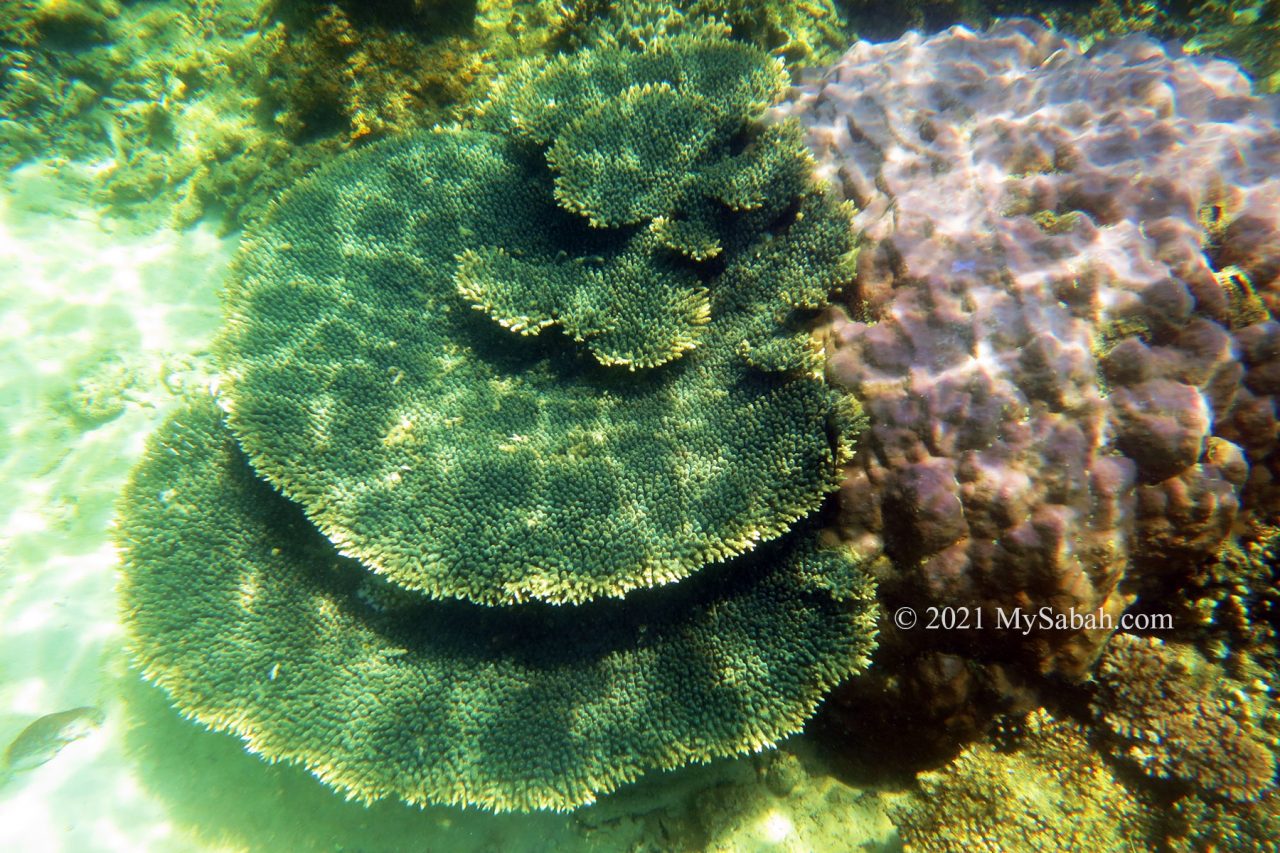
(681, 417)
(254, 624)
(525, 414)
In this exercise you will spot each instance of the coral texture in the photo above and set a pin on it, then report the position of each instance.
(1175, 715)
(1059, 327)
(177, 111)
(1200, 824)
(460, 458)
(1234, 600)
(1052, 793)
(804, 34)
(254, 624)
(443, 453)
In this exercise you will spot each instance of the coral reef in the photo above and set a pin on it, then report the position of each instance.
(1197, 825)
(1175, 715)
(1069, 389)
(156, 101)
(1052, 792)
(1242, 30)
(805, 34)
(427, 444)
(188, 109)
(1233, 601)
(916, 709)
(253, 623)
(874, 20)
(444, 453)
(1245, 30)
(191, 109)
(359, 71)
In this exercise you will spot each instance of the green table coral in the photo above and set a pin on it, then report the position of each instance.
(254, 624)
(464, 590)
(463, 460)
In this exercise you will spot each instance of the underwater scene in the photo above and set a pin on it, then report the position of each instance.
(622, 425)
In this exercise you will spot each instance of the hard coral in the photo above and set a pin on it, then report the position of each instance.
(63, 24)
(1173, 715)
(807, 33)
(255, 624)
(1199, 824)
(1039, 330)
(463, 460)
(1052, 793)
(446, 456)
(366, 77)
(1234, 600)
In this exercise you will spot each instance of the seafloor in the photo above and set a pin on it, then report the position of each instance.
(139, 140)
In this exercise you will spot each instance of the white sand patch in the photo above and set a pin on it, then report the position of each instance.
(96, 326)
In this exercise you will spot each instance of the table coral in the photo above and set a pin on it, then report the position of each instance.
(1050, 330)
(443, 454)
(465, 460)
(254, 624)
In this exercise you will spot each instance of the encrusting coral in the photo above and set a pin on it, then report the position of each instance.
(254, 624)
(1174, 715)
(455, 469)
(463, 460)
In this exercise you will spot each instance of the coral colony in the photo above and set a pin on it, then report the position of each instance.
(386, 367)
(1059, 327)
(596, 434)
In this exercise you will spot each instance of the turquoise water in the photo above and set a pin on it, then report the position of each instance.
(966, 538)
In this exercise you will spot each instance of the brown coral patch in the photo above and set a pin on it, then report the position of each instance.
(1174, 715)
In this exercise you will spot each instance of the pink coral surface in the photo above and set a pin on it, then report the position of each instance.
(1060, 325)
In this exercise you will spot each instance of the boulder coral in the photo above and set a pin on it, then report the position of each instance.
(1060, 327)
(431, 606)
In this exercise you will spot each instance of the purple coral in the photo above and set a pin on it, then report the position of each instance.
(1059, 327)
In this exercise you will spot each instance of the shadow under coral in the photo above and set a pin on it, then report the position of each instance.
(221, 795)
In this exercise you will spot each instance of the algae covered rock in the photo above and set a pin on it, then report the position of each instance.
(255, 624)
(463, 460)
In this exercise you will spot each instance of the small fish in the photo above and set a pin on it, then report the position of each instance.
(46, 737)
